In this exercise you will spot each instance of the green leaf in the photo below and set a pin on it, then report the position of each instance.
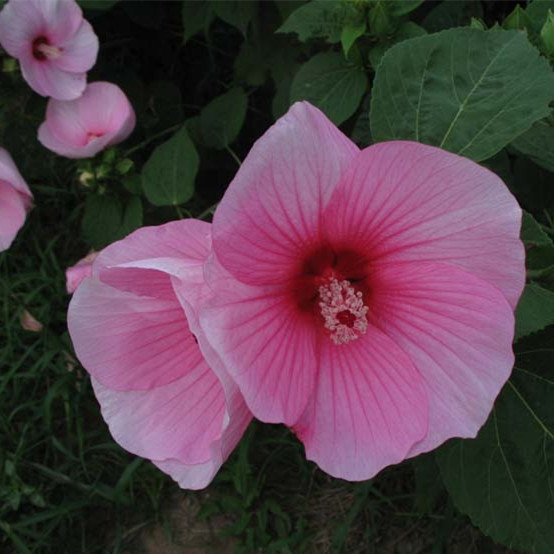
(322, 19)
(168, 175)
(132, 217)
(535, 311)
(531, 232)
(133, 183)
(165, 104)
(222, 119)
(537, 12)
(547, 34)
(537, 143)
(197, 16)
(504, 479)
(468, 91)
(238, 13)
(380, 20)
(330, 83)
(102, 220)
(95, 5)
(397, 8)
(517, 19)
(350, 33)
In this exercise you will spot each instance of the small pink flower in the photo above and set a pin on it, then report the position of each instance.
(15, 200)
(132, 326)
(76, 273)
(364, 298)
(81, 128)
(55, 46)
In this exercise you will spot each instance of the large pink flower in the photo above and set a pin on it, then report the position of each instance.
(15, 200)
(81, 128)
(364, 298)
(134, 334)
(55, 46)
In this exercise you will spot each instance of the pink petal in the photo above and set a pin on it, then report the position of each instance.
(178, 420)
(105, 110)
(20, 24)
(403, 201)
(79, 51)
(369, 409)
(12, 214)
(266, 346)
(272, 211)
(10, 174)
(47, 80)
(48, 138)
(130, 342)
(457, 330)
(75, 274)
(194, 477)
(61, 18)
(29, 322)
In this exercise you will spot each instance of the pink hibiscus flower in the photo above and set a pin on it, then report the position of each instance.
(101, 117)
(15, 200)
(364, 298)
(55, 46)
(134, 334)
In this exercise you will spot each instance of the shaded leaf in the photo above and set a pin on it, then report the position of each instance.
(168, 175)
(535, 310)
(102, 220)
(330, 83)
(531, 232)
(197, 16)
(238, 13)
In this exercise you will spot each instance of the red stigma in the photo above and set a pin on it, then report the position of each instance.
(37, 53)
(346, 317)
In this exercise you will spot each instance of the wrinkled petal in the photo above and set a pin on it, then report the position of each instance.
(188, 476)
(79, 51)
(369, 408)
(266, 346)
(457, 330)
(130, 342)
(47, 80)
(51, 141)
(61, 18)
(12, 214)
(403, 201)
(273, 208)
(20, 23)
(63, 121)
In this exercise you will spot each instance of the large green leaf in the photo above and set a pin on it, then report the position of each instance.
(323, 19)
(168, 175)
(538, 144)
(504, 479)
(468, 91)
(222, 119)
(237, 13)
(332, 84)
(197, 16)
(532, 233)
(102, 220)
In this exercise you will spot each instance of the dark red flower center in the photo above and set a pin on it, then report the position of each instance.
(346, 317)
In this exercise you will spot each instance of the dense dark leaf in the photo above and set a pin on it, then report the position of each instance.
(537, 144)
(535, 311)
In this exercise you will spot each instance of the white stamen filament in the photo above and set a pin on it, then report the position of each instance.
(340, 296)
(50, 52)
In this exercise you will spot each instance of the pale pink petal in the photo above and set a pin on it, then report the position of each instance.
(12, 214)
(266, 346)
(47, 80)
(194, 477)
(76, 273)
(61, 18)
(20, 24)
(10, 174)
(403, 201)
(369, 408)
(50, 140)
(105, 110)
(130, 342)
(62, 119)
(457, 330)
(178, 420)
(79, 50)
(272, 211)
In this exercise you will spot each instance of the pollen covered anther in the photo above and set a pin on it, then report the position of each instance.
(343, 310)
